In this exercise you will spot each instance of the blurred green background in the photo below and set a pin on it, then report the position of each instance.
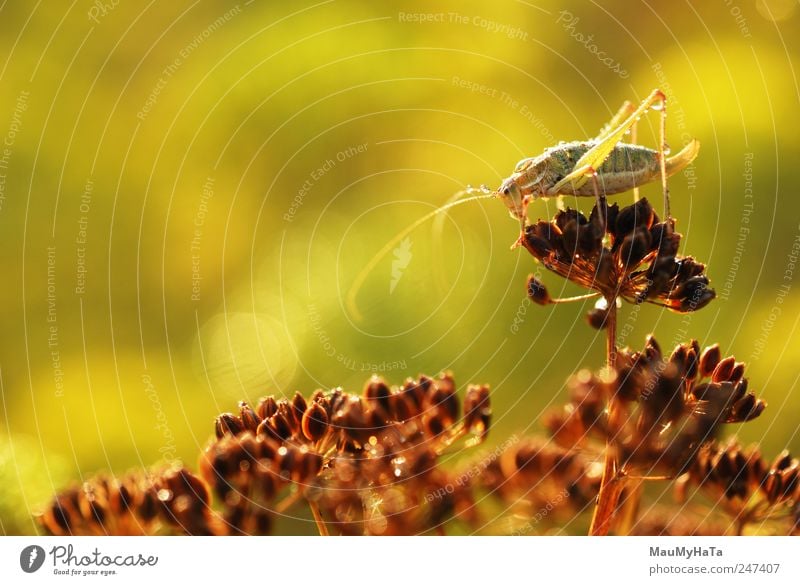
(189, 190)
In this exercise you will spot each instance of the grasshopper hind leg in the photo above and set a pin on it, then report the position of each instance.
(622, 114)
(662, 153)
(595, 156)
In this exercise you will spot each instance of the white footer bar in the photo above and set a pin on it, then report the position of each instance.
(399, 561)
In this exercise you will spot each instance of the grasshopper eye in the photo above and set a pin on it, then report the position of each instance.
(522, 165)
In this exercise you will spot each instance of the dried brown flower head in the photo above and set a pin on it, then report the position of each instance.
(669, 406)
(627, 253)
(749, 489)
(537, 481)
(171, 501)
(365, 464)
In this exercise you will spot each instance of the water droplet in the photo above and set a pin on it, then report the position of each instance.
(657, 107)
(164, 495)
(398, 463)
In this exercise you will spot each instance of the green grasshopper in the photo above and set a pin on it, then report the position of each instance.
(613, 166)
(602, 166)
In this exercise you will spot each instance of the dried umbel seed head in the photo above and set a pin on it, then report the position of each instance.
(344, 453)
(666, 409)
(172, 501)
(626, 253)
(723, 395)
(529, 473)
(751, 490)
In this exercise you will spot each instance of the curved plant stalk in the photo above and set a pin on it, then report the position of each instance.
(613, 483)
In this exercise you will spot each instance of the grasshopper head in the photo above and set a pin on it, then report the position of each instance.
(511, 195)
(518, 189)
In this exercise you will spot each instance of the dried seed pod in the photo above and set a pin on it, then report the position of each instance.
(298, 407)
(423, 389)
(691, 368)
(737, 373)
(278, 427)
(267, 407)
(724, 369)
(315, 422)
(250, 420)
(652, 349)
(599, 314)
(748, 408)
(229, 424)
(403, 407)
(444, 400)
(638, 215)
(351, 421)
(597, 318)
(477, 410)
(378, 394)
(635, 247)
(537, 291)
(433, 425)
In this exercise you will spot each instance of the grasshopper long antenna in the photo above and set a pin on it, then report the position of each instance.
(437, 230)
(350, 300)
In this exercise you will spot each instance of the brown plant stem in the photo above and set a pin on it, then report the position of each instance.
(629, 507)
(612, 482)
(611, 334)
(321, 527)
